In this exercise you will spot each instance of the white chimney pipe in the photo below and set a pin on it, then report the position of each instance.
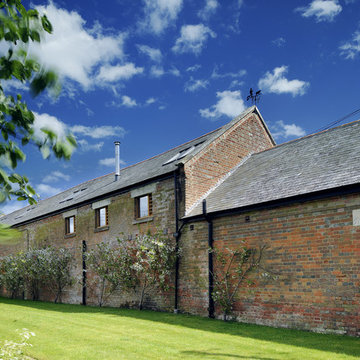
(117, 160)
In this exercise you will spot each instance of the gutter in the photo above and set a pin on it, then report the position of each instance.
(318, 195)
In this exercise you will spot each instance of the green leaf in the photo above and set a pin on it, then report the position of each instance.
(46, 24)
(42, 81)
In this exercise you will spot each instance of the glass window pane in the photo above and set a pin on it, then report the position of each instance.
(144, 206)
(102, 217)
(71, 225)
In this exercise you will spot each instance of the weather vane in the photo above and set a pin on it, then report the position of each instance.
(254, 98)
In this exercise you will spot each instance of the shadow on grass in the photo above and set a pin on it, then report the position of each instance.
(330, 343)
(204, 354)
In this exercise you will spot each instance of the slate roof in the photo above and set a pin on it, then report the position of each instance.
(130, 176)
(322, 161)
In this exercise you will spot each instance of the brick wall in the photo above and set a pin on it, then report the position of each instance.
(314, 248)
(205, 169)
(51, 231)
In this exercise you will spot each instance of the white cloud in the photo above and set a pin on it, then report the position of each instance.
(46, 121)
(109, 162)
(174, 71)
(193, 68)
(159, 14)
(12, 206)
(56, 176)
(216, 75)
(276, 82)
(209, 9)
(127, 101)
(279, 42)
(86, 146)
(282, 130)
(192, 38)
(98, 132)
(152, 53)
(351, 48)
(323, 10)
(193, 85)
(46, 190)
(157, 71)
(13, 85)
(110, 73)
(150, 101)
(236, 83)
(229, 104)
(74, 50)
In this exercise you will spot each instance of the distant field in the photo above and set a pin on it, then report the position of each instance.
(77, 332)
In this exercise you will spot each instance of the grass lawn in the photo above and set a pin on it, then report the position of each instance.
(78, 332)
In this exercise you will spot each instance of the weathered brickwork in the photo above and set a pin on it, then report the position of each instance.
(204, 170)
(51, 232)
(313, 247)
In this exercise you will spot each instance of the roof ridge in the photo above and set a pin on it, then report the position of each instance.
(127, 167)
(308, 136)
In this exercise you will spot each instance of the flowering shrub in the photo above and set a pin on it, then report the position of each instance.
(11, 350)
(112, 265)
(34, 269)
(143, 264)
(154, 259)
(232, 271)
(58, 274)
(12, 274)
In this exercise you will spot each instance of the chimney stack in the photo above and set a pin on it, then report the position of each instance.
(117, 160)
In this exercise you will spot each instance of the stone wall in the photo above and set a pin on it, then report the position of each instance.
(50, 231)
(313, 247)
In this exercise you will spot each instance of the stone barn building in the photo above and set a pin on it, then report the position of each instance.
(301, 200)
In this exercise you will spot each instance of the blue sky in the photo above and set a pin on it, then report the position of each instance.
(157, 73)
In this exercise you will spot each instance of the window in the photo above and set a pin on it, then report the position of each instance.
(143, 206)
(70, 225)
(101, 217)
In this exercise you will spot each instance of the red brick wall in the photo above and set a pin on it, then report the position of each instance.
(205, 169)
(314, 248)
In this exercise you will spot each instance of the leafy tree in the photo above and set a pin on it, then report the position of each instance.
(232, 271)
(19, 28)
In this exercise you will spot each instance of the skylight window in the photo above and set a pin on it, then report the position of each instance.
(72, 196)
(182, 153)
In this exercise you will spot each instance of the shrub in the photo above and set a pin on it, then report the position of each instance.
(58, 274)
(233, 269)
(112, 265)
(154, 259)
(12, 270)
